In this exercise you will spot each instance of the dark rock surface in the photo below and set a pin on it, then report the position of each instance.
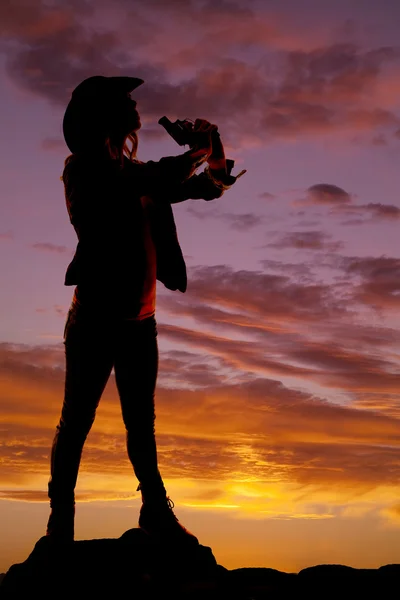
(135, 566)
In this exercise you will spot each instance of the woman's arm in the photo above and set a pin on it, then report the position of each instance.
(172, 179)
(205, 186)
(154, 177)
(215, 179)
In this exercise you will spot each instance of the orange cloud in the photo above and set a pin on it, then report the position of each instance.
(259, 429)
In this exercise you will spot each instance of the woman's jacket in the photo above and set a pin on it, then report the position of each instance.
(105, 204)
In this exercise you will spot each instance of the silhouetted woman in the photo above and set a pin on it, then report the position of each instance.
(121, 211)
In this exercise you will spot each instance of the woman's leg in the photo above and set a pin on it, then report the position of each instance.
(89, 361)
(136, 365)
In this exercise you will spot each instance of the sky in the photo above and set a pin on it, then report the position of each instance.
(278, 413)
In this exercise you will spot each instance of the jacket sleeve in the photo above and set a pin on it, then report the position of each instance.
(205, 186)
(172, 179)
(154, 178)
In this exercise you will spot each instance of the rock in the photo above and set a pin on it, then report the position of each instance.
(321, 581)
(135, 566)
(131, 566)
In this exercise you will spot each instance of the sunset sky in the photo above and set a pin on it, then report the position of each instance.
(278, 413)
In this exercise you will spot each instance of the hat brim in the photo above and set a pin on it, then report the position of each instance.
(126, 84)
(98, 84)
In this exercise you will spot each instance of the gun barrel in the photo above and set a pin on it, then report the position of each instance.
(164, 121)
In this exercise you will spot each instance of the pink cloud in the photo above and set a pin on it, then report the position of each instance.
(32, 20)
(48, 247)
(327, 193)
(54, 144)
(384, 211)
(7, 235)
(317, 89)
(380, 280)
(267, 196)
(306, 240)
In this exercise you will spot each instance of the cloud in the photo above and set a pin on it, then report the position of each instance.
(317, 89)
(249, 324)
(381, 401)
(26, 495)
(365, 214)
(342, 203)
(282, 107)
(274, 377)
(306, 240)
(336, 74)
(298, 271)
(267, 196)
(7, 235)
(266, 327)
(260, 429)
(328, 364)
(379, 140)
(59, 310)
(189, 370)
(31, 21)
(48, 247)
(326, 193)
(384, 211)
(239, 222)
(266, 297)
(379, 285)
(243, 222)
(50, 50)
(53, 144)
(89, 496)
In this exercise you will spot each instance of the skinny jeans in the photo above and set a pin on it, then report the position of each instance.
(94, 344)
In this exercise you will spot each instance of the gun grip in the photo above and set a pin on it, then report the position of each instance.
(229, 165)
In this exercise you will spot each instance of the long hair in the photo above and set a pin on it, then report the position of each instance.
(130, 152)
(112, 149)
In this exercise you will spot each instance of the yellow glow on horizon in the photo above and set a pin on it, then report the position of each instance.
(212, 506)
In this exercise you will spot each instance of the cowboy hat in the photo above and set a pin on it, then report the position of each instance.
(86, 111)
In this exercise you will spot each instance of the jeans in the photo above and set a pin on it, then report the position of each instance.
(94, 344)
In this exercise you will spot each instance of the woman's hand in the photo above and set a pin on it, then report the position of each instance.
(201, 148)
(203, 132)
(210, 140)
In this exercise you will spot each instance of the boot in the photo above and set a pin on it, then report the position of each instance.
(159, 520)
(60, 526)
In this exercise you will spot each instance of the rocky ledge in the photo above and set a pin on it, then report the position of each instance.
(135, 566)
